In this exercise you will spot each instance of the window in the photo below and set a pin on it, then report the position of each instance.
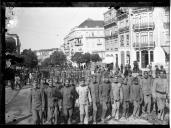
(127, 39)
(137, 37)
(93, 34)
(151, 37)
(151, 56)
(138, 56)
(122, 40)
(150, 17)
(127, 23)
(144, 37)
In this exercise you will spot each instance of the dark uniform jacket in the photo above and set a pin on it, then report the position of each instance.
(126, 92)
(68, 96)
(136, 92)
(105, 92)
(54, 95)
(36, 99)
(94, 91)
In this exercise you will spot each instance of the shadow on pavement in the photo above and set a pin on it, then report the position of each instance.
(16, 121)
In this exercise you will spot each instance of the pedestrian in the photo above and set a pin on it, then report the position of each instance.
(68, 95)
(146, 86)
(54, 96)
(94, 90)
(105, 95)
(160, 93)
(125, 88)
(84, 101)
(116, 97)
(136, 97)
(36, 103)
(130, 78)
(44, 92)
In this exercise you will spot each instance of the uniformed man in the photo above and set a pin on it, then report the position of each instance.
(126, 97)
(160, 92)
(94, 90)
(54, 96)
(116, 97)
(84, 101)
(36, 103)
(44, 92)
(146, 86)
(68, 98)
(136, 97)
(105, 95)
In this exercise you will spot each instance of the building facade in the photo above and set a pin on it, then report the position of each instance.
(87, 37)
(42, 54)
(142, 35)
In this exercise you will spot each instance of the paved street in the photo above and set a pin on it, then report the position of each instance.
(17, 110)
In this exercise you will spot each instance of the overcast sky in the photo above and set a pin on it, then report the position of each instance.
(43, 28)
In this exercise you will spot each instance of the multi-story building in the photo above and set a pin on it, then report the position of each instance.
(87, 37)
(42, 54)
(142, 35)
(150, 38)
(111, 37)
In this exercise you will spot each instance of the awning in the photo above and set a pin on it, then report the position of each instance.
(166, 49)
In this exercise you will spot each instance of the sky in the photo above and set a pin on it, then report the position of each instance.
(44, 28)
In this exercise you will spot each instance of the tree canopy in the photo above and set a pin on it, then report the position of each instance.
(30, 58)
(57, 58)
(85, 58)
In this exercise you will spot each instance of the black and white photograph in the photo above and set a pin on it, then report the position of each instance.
(87, 65)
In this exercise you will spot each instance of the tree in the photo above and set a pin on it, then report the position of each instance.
(87, 58)
(58, 58)
(95, 58)
(78, 58)
(46, 62)
(30, 58)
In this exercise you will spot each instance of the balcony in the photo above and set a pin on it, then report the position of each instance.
(144, 26)
(140, 9)
(124, 29)
(110, 21)
(144, 45)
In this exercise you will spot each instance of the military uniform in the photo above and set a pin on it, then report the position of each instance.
(68, 95)
(37, 103)
(105, 95)
(116, 99)
(160, 91)
(126, 99)
(83, 101)
(54, 96)
(136, 97)
(94, 90)
(146, 85)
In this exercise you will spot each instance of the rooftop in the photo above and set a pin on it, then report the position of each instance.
(89, 23)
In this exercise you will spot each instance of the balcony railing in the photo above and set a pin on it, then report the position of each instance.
(124, 29)
(144, 26)
(110, 21)
(78, 44)
(144, 45)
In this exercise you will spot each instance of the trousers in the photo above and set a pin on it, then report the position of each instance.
(37, 116)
